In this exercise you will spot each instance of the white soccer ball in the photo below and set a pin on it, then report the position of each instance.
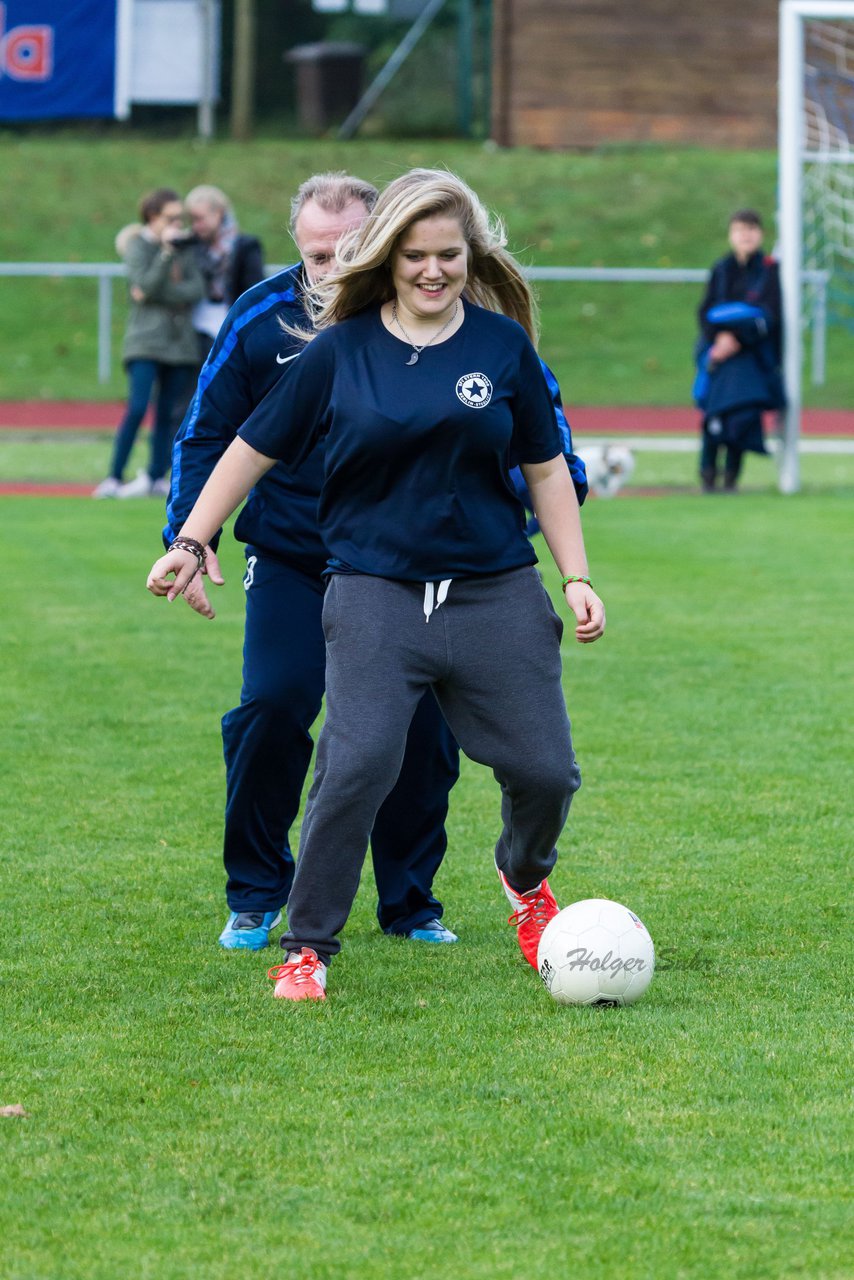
(596, 952)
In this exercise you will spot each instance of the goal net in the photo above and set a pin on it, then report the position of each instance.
(829, 162)
(816, 219)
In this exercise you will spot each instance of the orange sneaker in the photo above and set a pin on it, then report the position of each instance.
(302, 978)
(534, 910)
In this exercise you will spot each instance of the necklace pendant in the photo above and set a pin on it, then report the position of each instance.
(413, 359)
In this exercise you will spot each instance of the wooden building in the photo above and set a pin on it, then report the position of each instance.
(581, 73)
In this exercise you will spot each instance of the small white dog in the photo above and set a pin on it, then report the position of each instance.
(609, 466)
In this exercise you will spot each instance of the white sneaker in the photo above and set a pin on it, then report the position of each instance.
(160, 488)
(138, 488)
(108, 488)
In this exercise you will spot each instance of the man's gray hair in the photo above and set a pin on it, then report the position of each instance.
(333, 192)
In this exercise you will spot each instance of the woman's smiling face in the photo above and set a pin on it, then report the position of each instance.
(429, 267)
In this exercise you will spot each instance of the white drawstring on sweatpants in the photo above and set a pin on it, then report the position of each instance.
(430, 594)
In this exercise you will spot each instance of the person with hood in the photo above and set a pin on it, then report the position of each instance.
(160, 349)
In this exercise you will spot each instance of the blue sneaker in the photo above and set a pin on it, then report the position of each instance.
(249, 930)
(431, 931)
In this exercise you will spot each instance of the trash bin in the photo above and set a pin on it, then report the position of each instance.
(329, 81)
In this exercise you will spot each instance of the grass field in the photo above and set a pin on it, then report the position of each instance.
(609, 344)
(439, 1116)
(82, 458)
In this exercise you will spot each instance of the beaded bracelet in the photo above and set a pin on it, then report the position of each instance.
(564, 582)
(189, 544)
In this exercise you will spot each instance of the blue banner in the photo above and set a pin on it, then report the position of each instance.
(57, 58)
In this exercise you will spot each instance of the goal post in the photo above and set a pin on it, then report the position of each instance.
(831, 147)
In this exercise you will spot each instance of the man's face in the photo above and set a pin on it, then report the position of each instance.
(317, 233)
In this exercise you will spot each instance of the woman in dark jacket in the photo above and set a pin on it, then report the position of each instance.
(164, 282)
(739, 351)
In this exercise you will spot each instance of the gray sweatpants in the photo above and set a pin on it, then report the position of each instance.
(491, 654)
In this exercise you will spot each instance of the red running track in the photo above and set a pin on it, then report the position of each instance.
(80, 415)
(643, 420)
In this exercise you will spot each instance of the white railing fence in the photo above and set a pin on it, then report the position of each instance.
(106, 272)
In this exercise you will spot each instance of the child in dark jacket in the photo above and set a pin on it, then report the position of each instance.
(739, 351)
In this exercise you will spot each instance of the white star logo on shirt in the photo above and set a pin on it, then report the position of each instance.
(475, 390)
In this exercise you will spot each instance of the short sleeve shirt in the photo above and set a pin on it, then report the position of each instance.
(416, 484)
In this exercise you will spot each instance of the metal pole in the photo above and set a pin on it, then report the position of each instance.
(205, 116)
(389, 71)
(105, 325)
(791, 233)
(486, 46)
(465, 67)
(243, 70)
(819, 331)
(124, 58)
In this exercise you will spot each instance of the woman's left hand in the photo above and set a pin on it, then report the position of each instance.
(588, 609)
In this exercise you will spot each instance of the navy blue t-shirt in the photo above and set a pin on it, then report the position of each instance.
(416, 484)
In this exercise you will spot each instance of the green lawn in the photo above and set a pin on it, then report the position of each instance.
(609, 344)
(80, 458)
(440, 1116)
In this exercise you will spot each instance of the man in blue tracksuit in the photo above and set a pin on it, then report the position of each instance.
(266, 739)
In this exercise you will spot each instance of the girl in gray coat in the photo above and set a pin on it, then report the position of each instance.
(160, 346)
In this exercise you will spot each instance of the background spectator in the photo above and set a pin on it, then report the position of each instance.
(739, 351)
(230, 262)
(164, 281)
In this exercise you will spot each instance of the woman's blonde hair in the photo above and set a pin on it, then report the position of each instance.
(495, 280)
(212, 198)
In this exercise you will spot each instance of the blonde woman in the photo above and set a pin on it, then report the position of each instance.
(229, 261)
(424, 381)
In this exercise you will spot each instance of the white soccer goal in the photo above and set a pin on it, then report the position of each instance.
(816, 191)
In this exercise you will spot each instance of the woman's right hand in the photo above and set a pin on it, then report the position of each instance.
(195, 594)
(183, 564)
